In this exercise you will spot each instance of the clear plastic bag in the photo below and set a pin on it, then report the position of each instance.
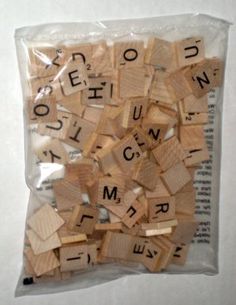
(97, 39)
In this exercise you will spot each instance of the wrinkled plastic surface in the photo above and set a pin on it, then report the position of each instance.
(203, 257)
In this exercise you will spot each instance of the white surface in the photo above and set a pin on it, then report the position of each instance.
(155, 289)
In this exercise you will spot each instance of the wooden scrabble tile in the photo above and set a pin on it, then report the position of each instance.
(43, 262)
(115, 121)
(67, 193)
(160, 92)
(132, 82)
(42, 110)
(146, 173)
(73, 78)
(96, 143)
(84, 170)
(83, 219)
(185, 202)
(72, 103)
(190, 50)
(52, 152)
(144, 142)
(108, 226)
(78, 132)
(185, 230)
(73, 257)
(110, 191)
(113, 218)
(45, 86)
(155, 131)
(40, 246)
(127, 152)
(159, 225)
(45, 221)
(169, 153)
(192, 118)
(160, 53)
(92, 253)
(93, 114)
(168, 249)
(115, 90)
(192, 137)
(193, 104)
(131, 231)
(180, 254)
(81, 53)
(161, 209)
(67, 236)
(201, 78)
(133, 112)
(120, 210)
(106, 159)
(176, 177)
(128, 54)
(195, 156)
(104, 127)
(56, 129)
(133, 214)
(159, 191)
(101, 57)
(217, 67)
(46, 61)
(178, 85)
(98, 91)
(189, 186)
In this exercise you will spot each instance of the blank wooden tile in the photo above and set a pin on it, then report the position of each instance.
(161, 209)
(129, 53)
(72, 103)
(185, 202)
(160, 92)
(133, 112)
(73, 257)
(193, 104)
(115, 121)
(43, 262)
(45, 221)
(78, 132)
(217, 67)
(178, 85)
(133, 214)
(190, 50)
(160, 53)
(195, 156)
(40, 246)
(160, 190)
(101, 57)
(56, 129)
(200, 78)
(83, 219)
(73, 238)
(176, 177)
(127, 152)
(146, 173)
(73, 78)
(154, 231)
(132, 82)
(141, 138)
(52, 152)
(98, 91)
(42, 110)
(46, 61)
(45, 86)
(159, 225)
(180, 254)
(106, 159)
(110, 191)
(67, 193)
(192, 137)
(192, 118)
(185, 230)
(81, 53)
(169, 153)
